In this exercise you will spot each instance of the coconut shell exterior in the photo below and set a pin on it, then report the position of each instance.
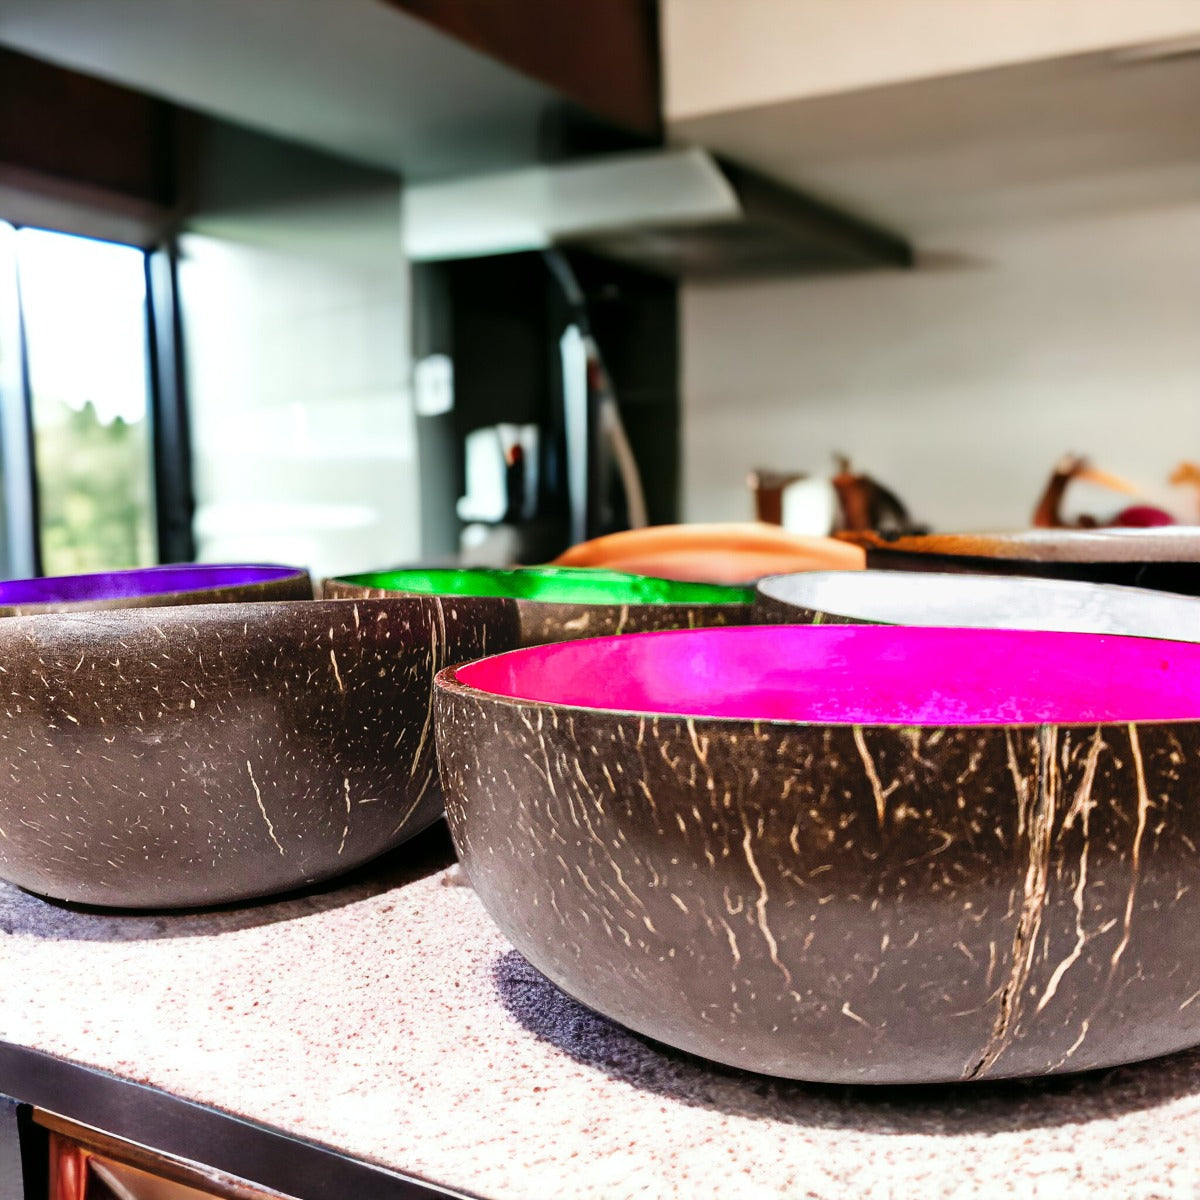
(1164, 559)
(770, 610)
(849, 904)
(544, 621)
(167, 757)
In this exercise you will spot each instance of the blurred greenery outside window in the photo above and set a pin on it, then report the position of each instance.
(83, 304)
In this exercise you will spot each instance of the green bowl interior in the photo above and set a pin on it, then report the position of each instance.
(558, 585)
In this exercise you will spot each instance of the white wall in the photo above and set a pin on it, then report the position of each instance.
(958, 386)
(728, 54)
(297, 342)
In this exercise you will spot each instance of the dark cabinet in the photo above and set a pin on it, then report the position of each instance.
(85, 1164)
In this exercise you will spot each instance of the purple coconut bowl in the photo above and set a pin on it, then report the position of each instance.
(155, 587)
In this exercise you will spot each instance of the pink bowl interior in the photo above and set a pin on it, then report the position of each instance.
(859, 674)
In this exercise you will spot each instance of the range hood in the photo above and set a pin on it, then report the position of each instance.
(494, 157)
(678, 212)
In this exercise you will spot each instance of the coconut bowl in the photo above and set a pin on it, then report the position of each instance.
(555, 604)
(853, 854)
(723, 552)
(1166, 558)
(195, 755)
(976, 602)
(147, 587)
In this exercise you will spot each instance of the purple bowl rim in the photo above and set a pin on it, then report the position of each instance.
(104, 586)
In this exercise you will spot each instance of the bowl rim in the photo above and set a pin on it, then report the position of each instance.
(273, 573)
(741, 595)
(446, 680)
(241, 613)
(1178, 544)
(772, 588)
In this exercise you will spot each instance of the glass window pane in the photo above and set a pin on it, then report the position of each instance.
(84, 306)
(17, 556)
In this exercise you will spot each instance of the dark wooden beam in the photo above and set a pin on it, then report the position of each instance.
(601, 54)
(71, 127)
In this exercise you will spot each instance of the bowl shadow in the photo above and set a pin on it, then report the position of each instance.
(28, 915)
(551, 1015)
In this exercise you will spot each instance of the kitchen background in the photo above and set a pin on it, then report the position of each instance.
(951, 242)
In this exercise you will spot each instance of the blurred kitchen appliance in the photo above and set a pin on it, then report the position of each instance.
(1049, 512)
(547, 403)
(848, 500)
(596, 437)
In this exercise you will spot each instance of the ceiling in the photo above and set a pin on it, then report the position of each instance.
(357, 78)
(1086, 134)
(929, 158)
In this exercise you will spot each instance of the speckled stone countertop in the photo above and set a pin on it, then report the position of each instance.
(387, 1017)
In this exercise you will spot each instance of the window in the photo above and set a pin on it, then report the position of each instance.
(84, 394)
(83, 305)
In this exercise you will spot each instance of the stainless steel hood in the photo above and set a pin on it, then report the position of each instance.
(680, 212)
